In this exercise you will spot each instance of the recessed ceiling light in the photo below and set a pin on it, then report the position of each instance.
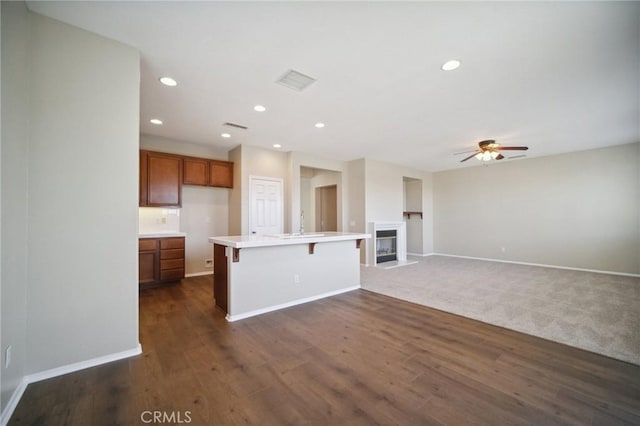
(155, 121)
(277, 145)
(168, 81)
(319, 125)
(260, 108)
(451, 65)
(225, 135)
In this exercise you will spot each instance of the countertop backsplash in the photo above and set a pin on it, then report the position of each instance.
(152, 220)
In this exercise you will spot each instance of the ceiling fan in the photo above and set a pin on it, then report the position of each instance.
(490, 150)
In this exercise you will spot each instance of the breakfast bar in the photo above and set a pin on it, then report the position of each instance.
(259, 274)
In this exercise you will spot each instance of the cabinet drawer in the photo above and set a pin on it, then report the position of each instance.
(172, 254)
(172, 243)
(172, 274)
(171, 264)
(147, 244)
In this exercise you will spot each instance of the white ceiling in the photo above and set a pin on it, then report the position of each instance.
(557, 77)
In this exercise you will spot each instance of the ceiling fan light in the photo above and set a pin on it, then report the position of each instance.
(486, 156)
(478, 156)
(494, 154)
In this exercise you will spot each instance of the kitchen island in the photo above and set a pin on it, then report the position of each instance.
(258, 274)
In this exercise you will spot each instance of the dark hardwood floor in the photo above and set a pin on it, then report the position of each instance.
(357, 358)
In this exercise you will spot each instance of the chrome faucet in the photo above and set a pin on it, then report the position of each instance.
(302, 221)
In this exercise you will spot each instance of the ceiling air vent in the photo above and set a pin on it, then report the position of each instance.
(237, 126)
(295, 80)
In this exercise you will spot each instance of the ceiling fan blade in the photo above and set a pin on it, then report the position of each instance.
(464, 152)
(512, 148)
(499, 157)
(471, 156)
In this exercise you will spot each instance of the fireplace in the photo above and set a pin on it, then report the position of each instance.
(386, 246)
(388, 239)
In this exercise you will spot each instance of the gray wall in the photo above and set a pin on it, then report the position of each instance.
(574, 210)
(357, 199)
(70, 107)
(14, 166)
(235, 195)
(83, 215)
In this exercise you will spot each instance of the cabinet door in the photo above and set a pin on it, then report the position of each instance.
(144, 179)
(148, 271)
(221, 174)
(164, 180)
(195, 172)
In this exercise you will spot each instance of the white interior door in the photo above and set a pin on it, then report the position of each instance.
(266, 207)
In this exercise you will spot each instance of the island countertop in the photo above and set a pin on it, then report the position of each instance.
(245, 241)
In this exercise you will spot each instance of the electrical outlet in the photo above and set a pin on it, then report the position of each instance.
(7, 356)
(208, 263)
(296, 279)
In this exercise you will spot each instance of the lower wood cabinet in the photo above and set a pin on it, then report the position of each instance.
(160, 260)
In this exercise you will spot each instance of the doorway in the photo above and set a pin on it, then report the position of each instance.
(326, 208)
(266, 206)
(320, 204)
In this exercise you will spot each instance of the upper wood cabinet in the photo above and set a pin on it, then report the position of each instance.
(195, 171)
(162, 176)
(205, 172)
(221, 173)
(160, 179)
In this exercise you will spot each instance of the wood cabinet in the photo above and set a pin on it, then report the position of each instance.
(195, 171)
(148, 265)
(160, 179)
(160, 260)
(162, 176)
(205, 172)
(221, 173)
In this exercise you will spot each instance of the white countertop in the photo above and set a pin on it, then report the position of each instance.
(242, 241)
(163, 235)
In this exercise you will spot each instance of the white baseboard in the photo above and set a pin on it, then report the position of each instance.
(13, 401)
(70, 368)
(420, 254)
(199, 274)
(542, 265)
(59, 371)
(232, 318)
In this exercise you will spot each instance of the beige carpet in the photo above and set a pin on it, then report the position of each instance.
(596, 312)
